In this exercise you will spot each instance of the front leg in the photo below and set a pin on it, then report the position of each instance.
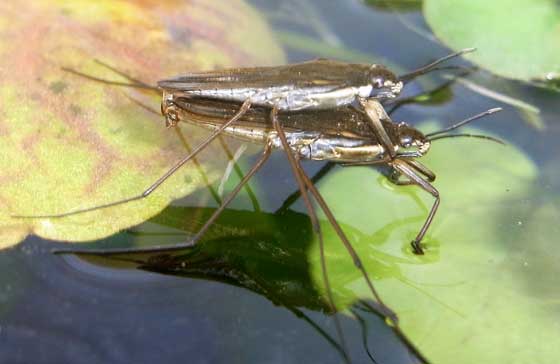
(395, 175)
(403, 167)
(375, 112)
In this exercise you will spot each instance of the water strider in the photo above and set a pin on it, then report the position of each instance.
(309, 116)
(343, 135)
(312, 85)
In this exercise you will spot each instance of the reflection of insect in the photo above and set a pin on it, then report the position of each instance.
(305, 114)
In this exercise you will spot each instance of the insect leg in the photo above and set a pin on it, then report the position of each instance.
(298, 175)
(430, 175)
(409, 171)
(243, 109)
(419, 167)
(196, 238)
(376, 113)
(357, 261)
(289, 201)
(382, 308)
(187, 146)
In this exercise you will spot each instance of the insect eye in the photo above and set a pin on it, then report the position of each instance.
(378, 82)
(406, 142)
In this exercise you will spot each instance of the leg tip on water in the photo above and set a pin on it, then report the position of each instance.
(417, 248)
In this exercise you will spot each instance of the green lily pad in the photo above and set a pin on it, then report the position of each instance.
(464, 301)
(518, 40)
(67, 142)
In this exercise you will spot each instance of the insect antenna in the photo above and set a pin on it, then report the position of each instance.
(463, 122)
(479, 136)
(133, 81)
(109, 82)
(407, 77)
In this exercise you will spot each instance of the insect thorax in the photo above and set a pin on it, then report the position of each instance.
(315, 146)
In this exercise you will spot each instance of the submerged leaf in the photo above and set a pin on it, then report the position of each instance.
(67, 142)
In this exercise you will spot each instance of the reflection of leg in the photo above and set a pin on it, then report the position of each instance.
(196, 238)
(244, 107)
(239, 172)
(367, 307)
(406, 169)
(198, 166)
(299, 175)
(278, 300)
(364, 332)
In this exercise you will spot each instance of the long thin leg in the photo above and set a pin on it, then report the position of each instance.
(187, 147)
(244, 107)
(289, 201)
(357, 261)
(192, 241)
(403, 167)
(225, 147)
(228, 152)
(314, 222)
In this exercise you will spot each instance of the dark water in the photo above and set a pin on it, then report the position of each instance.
(69, 310)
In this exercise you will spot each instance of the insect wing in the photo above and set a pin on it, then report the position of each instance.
(315, 73)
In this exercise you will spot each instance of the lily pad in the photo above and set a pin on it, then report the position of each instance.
(464, 301)
(67, 142)
(518, 40)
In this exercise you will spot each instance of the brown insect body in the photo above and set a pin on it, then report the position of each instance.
(340, 135)
(316, 84)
